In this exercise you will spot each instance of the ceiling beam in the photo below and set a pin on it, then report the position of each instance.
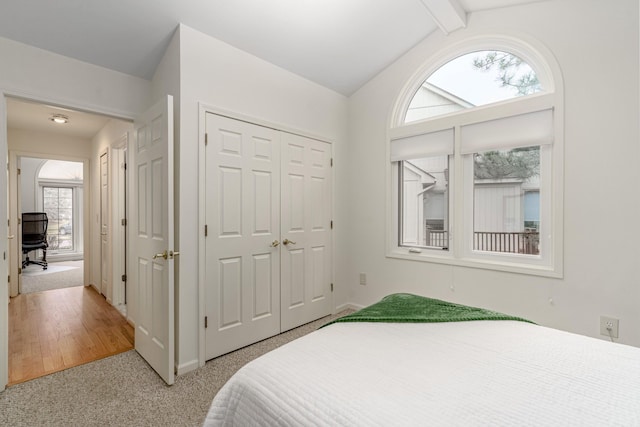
(448, 14)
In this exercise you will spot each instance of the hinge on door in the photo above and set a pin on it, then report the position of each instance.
(332, 287)
(19, 171)
(332, 162)
(8, 279)
(124, 221)
(124, 277)
(19, 270)
(125, 166)
(206, 230)
(206, 139)
(206, 322)
(332, 224)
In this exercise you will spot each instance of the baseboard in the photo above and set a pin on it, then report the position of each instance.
(187, 367)
(348, 306)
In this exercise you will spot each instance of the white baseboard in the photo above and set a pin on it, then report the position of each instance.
(187, 367)
(348, 305)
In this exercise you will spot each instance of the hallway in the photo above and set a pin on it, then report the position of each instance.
(58, 329)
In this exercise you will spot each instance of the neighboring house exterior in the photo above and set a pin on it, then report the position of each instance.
(506, 212)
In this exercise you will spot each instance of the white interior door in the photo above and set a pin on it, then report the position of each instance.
(7, 252)
(104, 226)
(306, 230)
(16, 270)
(152, 230)
(118, 223)
(243, 229)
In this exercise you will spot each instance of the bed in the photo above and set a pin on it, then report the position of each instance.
(458, 371)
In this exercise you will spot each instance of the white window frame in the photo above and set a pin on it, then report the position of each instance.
(77, 189)
(550, 262)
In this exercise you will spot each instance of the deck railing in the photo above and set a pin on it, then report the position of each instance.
(524, 242)
(437, 238)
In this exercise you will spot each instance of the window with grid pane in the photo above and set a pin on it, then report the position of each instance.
(472, 166)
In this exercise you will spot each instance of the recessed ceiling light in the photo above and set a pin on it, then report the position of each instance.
(59, 118)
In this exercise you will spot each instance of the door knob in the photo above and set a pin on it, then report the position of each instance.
(287, 241)
(173, 254)
(274, 244)
(164, 255)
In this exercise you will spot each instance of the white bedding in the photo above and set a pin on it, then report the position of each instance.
(498, 373)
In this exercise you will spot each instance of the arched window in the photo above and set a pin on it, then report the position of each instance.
(473, 152)
(473, 80)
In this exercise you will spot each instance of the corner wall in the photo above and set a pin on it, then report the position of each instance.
(217, 74)
(596, 46)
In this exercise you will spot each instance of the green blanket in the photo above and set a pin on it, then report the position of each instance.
(402, 308)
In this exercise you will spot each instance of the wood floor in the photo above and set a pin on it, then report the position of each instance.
(55, 330)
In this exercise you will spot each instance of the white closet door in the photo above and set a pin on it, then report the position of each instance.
(242, 182)
(306, 226)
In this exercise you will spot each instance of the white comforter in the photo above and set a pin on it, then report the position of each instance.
(478, 373)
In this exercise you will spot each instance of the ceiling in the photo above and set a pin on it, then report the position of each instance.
(25, 115)
(339, 44)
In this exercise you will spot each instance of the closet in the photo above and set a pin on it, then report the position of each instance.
(268, 232)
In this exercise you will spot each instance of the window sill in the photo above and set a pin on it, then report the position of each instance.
(434, 256)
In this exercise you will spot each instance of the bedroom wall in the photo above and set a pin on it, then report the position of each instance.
(217, 74)
(596, 46)
(30, 72)
(28, 168)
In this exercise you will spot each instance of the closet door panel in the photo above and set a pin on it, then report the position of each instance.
(306, 230)
(242, 272)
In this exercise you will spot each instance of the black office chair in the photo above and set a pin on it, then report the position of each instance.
(34, 236)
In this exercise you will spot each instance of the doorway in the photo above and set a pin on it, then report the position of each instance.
(75, 237)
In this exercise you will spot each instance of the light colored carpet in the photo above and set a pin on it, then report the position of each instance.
(57, 275)
(123, 390)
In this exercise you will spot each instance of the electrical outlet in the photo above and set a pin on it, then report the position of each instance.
(363, 279)
(609, 323)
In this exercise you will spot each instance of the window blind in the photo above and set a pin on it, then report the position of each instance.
(524, 130)
(431, 144)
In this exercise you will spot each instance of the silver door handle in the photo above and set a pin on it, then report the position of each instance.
(11, 237)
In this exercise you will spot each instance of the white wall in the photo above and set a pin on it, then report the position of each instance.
(28, 169)
(30, 72)
(596, 46)
(30, 142)
(220, 75)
